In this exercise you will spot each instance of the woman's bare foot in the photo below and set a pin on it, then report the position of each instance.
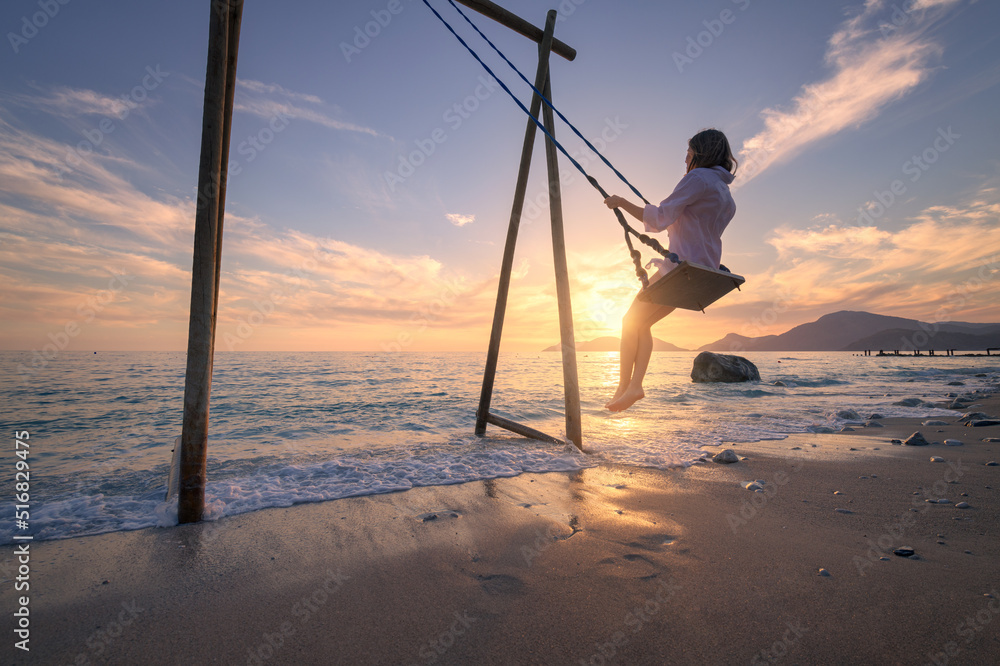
(626, 400)
(619, 392)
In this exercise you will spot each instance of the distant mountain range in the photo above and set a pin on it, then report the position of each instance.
(858, 331)
(844, 331)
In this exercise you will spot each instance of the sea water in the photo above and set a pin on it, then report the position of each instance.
(287, 428)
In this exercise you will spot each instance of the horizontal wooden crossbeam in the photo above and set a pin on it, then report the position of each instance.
(517, 24)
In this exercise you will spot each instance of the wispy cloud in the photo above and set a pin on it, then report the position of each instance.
(69, 102)
(270, 101)
(876, 57)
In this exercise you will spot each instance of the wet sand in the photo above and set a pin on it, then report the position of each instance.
(606, 565)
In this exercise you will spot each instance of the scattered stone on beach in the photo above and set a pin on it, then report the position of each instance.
(711, 367)
(905, 551)
(896, 441)
(991, 463)
(796, 448)
(916, 439)
(991, 439)
(909, 402)
(875, 416)
(847, 429)
(837, 492)
(962, 505)
(848, 415)
(956, 383)
(952, 442)
(843, 511)
(820, 429)
(982, 423)
(933, 422)
(873, 424)
(752, 485)
(937, 459)
(972, 416)
(727, 456)
(853, 449)
(824, 572)
(959, 403)
(778, 383)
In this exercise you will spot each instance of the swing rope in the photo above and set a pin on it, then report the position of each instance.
(629, 231)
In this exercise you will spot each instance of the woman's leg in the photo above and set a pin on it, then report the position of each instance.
(636, 350)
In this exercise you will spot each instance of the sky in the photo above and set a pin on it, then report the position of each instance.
(373, 164)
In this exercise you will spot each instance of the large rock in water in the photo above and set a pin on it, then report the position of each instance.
(709, 367)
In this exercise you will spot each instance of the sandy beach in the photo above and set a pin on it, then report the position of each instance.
(605, 565)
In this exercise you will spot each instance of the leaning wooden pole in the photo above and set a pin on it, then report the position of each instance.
(493, 352)
(223, 42)
(571, 382)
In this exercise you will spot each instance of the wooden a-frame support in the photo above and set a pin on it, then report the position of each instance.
(571, 384)
(220, 84)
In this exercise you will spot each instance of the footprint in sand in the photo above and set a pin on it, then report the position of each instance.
(438, 515)
(500, 584)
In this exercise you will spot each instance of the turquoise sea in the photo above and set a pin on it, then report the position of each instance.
(304, 427)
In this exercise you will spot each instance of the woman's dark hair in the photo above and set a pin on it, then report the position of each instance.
(710, 148)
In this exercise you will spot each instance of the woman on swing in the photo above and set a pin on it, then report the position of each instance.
(694, 215)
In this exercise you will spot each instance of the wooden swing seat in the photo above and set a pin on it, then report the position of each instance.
(691, 286)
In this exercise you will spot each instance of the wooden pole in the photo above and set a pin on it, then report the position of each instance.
(493, 352)
(232, 54)
(518, 25)
(223, 41)
(571, 383)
